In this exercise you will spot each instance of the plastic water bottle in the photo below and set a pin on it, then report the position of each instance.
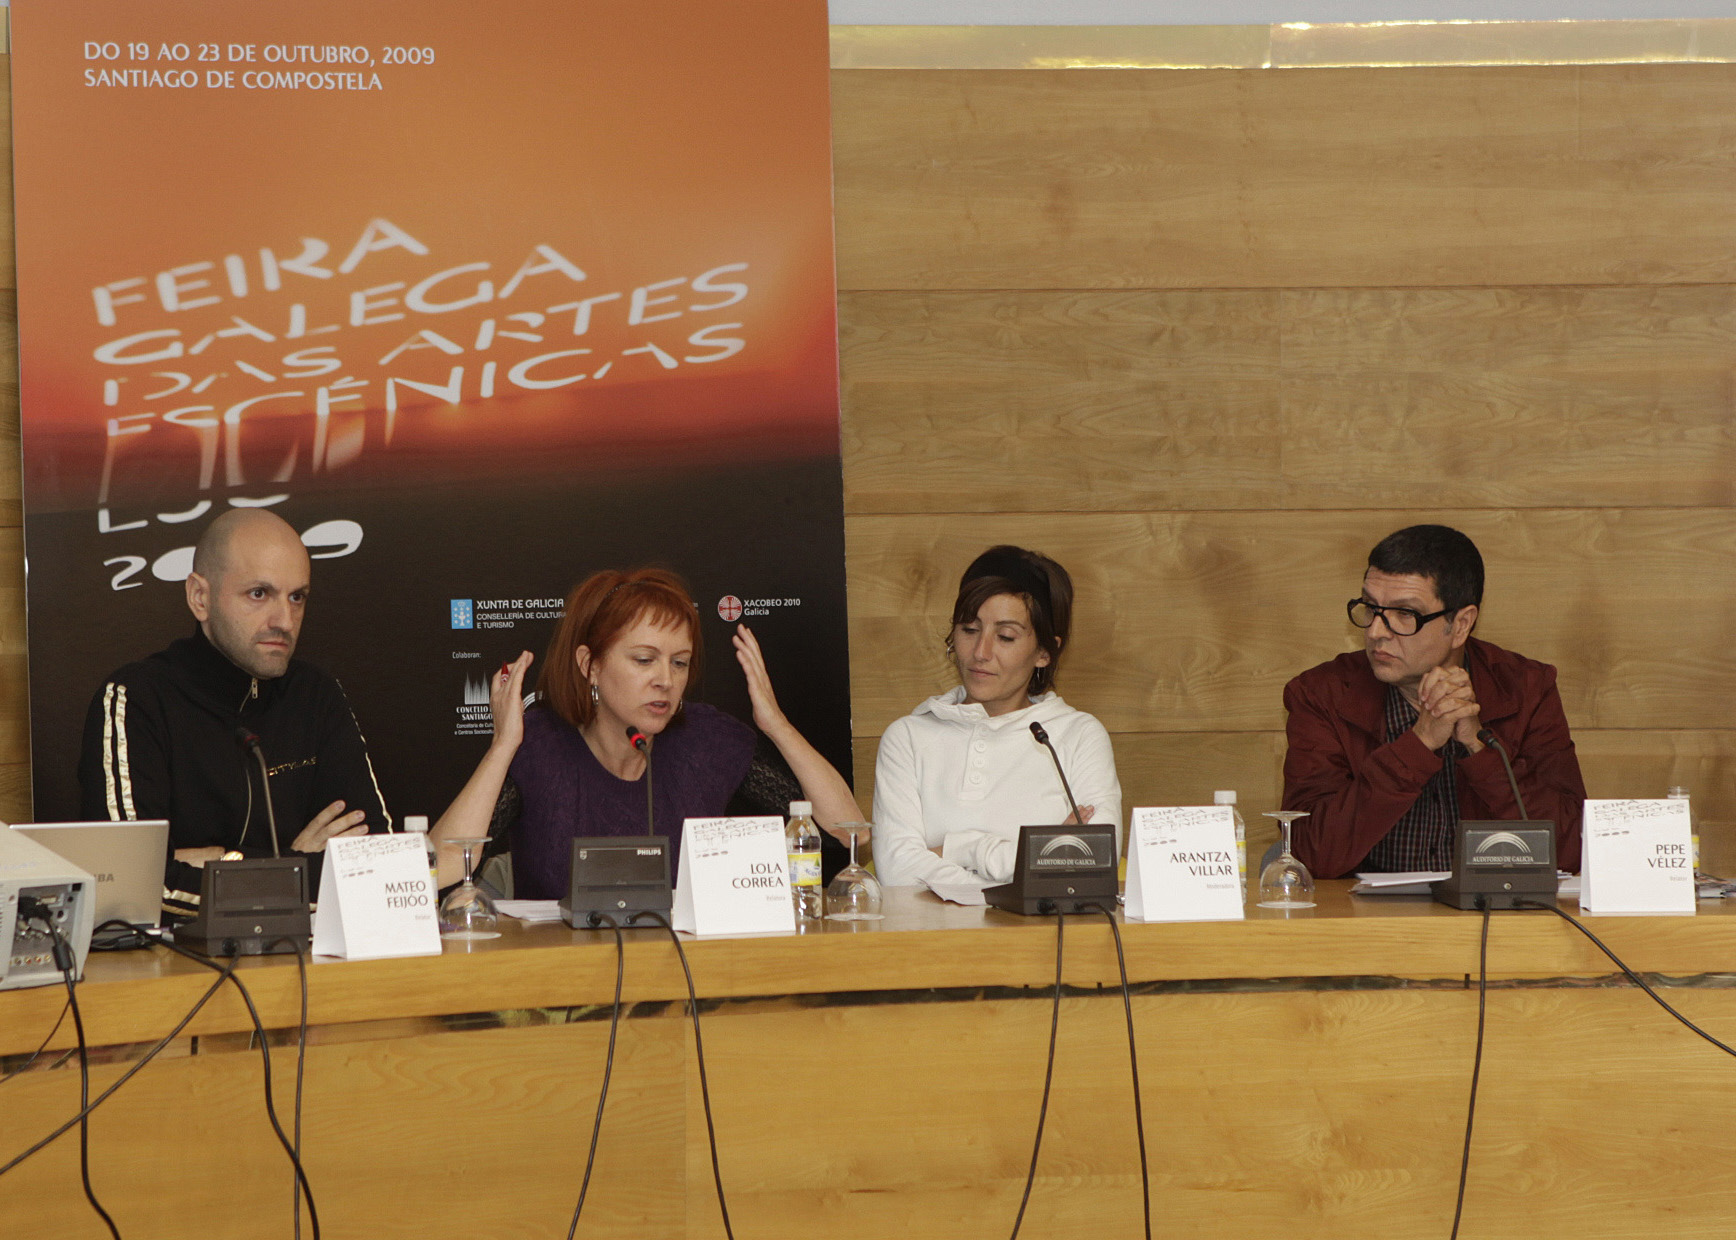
(802, 842)
(417, 824)
(1228, 797)
(1679, 793)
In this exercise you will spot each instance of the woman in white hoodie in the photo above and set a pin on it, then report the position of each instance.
(958, 776)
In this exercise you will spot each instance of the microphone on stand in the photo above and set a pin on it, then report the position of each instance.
(1043, 740)
(1501, 864)
(1487, 736)
(642, 743)
(256, 906)
(616, 878)
(1059, 869)
(250, 742)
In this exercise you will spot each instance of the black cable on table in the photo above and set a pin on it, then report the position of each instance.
(67, 961)
(122, 936)
(300, 1064)
(1133, 1064)
(83, 1095)
(1476, 1062)
(24, 1067)
(1633, 977)
(699, 1051)
(125, 1076)
(1048, 1074)
(608, 1064)
(265, 1061)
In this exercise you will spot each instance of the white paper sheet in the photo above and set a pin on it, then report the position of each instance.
(959, 893)
(532, 911)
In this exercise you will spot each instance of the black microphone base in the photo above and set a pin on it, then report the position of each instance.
(590, 911)
(256, 907)
(1010, 898)
(220, 946)
(1060, 870)
(617, 877)
(1497, 901)
(1499, 865)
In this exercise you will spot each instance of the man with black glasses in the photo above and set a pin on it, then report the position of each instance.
(1384, 749)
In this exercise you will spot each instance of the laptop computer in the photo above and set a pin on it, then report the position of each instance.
(127, 859)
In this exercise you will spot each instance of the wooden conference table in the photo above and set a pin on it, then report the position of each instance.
(1303, 1076)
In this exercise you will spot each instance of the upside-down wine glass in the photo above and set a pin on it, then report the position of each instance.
(467, 912)
(1286, 882)
(854, 894)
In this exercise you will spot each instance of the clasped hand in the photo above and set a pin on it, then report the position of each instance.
(1447, 709)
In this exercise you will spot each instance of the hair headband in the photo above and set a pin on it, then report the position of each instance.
(1010, 564)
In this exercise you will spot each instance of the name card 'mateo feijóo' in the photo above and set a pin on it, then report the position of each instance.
(376, 899)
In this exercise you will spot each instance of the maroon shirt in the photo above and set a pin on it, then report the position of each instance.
(1355, 786)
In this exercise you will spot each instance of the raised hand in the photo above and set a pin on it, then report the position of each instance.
(766, 714)
(506, 700)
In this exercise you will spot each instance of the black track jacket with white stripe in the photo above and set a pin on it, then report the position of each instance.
(160, 741)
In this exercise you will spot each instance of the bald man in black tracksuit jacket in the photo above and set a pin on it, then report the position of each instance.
(163, 736)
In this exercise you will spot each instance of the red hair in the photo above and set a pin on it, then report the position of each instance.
(601, 608)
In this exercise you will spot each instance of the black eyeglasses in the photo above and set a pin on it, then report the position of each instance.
(1401, 621)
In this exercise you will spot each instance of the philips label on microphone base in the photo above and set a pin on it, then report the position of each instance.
(734, 878)
(1639, 858)
(1181, 865)
(376, 899)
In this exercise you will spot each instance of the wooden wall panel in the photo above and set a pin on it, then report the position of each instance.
(1649, 763)
(14, 778)
(1007, 401)
(1324, 178)
(1090, 401)
(1505, 397)
(1188, 621)
(8, 252)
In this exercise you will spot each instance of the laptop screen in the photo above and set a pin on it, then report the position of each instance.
(126, 858)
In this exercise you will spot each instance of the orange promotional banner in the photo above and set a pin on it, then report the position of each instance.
(480, 298)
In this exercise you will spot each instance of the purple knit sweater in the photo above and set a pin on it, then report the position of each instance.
(697, 763)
